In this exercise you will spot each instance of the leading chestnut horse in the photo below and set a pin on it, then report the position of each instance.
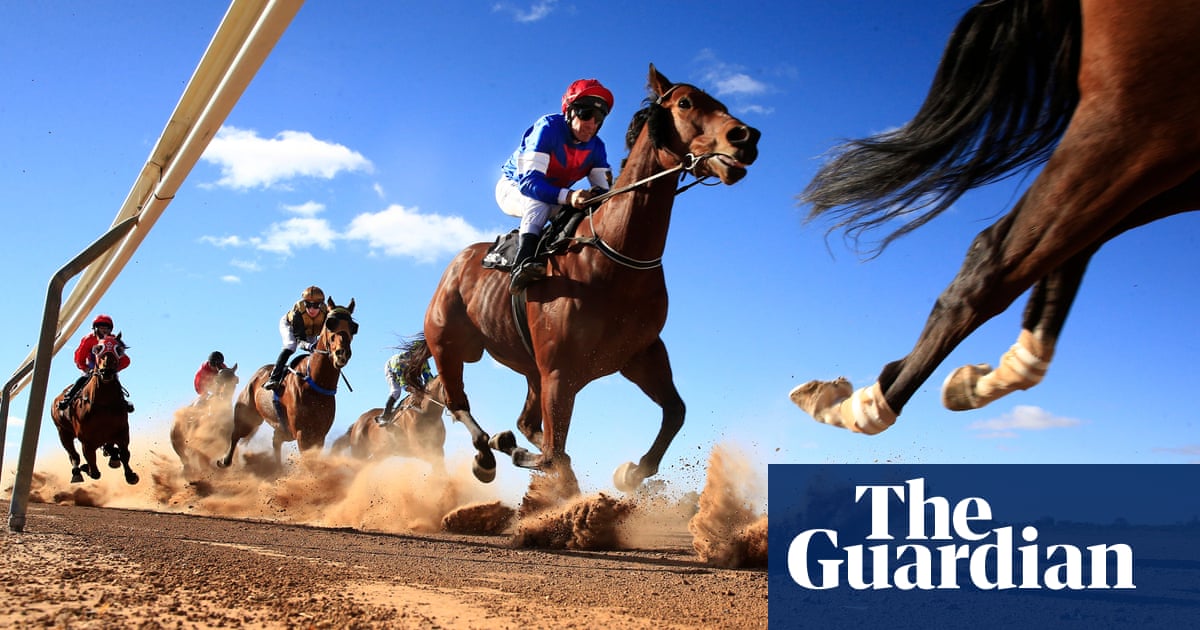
(604, 302)
(1105, 92)
(303, 408)
(98, 416)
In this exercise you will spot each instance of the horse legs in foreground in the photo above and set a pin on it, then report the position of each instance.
(1125, 158)
(651, 372)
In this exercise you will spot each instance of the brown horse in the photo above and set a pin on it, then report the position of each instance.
(604, 302)
(98, 416)
(199, 431)
(415, 430)
(1105, 92)
(304, 408)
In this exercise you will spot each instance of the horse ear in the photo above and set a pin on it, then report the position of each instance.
(350, 306)
(658, 82)
(234, 368)
(329, 301)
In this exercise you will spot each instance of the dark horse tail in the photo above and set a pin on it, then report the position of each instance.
(1003, 95)
(417, 354)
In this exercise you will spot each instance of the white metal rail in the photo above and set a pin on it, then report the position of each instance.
(246, 35)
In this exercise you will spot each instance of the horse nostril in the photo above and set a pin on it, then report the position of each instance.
(739, 135)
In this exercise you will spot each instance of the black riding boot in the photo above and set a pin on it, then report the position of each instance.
(277, 372)
(386, 417)
(526, 271)
(66, 401)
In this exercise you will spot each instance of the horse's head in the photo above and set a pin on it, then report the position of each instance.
(108, 353)
(339, 331)
(687, 126)
(225, 382)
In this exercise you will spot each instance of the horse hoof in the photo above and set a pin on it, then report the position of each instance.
(221, 463)
(814, 397)
(958, 390)
(505, 442)
(114, 463)
(627, 479)
(522, 458)
(132, 478)
(484, 475)
(76, 477)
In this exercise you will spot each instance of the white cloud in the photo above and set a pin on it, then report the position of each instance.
(1022, 418)
(224, 241)
(248, 161)
(306, 209)
(400, 231)
(738, 83)
(231, 279)
(283, 237)
(536, 11)
(730, 81)
(246, 265)
(760, 110)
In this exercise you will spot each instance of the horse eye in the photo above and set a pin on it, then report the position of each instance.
(684, 103)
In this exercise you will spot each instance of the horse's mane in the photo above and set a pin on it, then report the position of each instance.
(654, 115)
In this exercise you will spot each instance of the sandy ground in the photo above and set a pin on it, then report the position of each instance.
(80, 567)
(329, 542)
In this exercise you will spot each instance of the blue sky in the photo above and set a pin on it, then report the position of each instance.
(363, 156)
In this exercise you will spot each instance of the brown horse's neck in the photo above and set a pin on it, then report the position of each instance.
(99, 393)
(321, 370)
(635, 223)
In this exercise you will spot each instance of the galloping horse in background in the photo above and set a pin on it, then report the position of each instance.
(98, 416)
(604, 302)
(1105, 91)
(199, 431)
(303, 410)
(415, 430)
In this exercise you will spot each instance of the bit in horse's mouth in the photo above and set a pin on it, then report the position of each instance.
(730, 161)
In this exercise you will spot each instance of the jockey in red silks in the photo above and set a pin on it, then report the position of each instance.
(85, 360)
(207, 372)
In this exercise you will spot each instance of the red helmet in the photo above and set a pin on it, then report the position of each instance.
(102, 320)
(587, 87)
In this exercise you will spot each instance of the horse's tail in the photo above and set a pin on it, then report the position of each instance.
(1003, 95)
(418, 356)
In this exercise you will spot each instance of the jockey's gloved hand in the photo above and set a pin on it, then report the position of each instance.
(579, 198)
(305, 346)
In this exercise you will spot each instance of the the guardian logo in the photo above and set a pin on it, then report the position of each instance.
(948, 546)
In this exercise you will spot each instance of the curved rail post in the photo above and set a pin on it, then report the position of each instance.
(41, 367)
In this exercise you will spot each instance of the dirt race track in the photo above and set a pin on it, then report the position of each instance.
(331, 542)
(84, 567)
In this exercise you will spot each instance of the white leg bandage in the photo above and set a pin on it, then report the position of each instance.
(867, 411)
(1020, 368)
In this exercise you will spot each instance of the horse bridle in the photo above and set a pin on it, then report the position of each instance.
(328, 352)
(686, 164)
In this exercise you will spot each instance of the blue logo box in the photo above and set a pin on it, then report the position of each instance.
(984, 546)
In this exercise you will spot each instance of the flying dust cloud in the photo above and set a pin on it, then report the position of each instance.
(400, 495)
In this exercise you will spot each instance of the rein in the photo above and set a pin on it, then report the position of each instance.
(688, 164)
(308, 379)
